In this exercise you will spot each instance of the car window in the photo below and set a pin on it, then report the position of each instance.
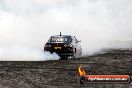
(60, 39)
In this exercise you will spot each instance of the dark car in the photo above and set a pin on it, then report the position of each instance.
(65, 46)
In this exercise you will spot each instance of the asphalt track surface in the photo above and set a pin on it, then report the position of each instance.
(63, 73)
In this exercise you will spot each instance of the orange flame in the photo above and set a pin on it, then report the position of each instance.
(81, 71)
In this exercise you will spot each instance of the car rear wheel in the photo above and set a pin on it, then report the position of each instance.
(74, 53)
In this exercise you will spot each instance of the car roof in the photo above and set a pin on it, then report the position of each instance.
(61, 35)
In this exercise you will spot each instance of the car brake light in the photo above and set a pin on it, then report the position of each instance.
(68, 45)
(65, 45)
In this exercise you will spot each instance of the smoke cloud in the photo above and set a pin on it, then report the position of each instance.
(26, 25)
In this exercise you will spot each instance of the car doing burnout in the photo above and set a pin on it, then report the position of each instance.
(65, 46)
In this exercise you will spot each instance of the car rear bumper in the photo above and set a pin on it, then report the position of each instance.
(61, 53)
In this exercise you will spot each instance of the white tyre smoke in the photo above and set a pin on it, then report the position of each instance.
(99, 24)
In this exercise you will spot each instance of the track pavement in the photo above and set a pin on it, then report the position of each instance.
(63, 73)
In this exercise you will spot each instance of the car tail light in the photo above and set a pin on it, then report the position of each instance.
(65, 45)
(49, 45)
(68, 45)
